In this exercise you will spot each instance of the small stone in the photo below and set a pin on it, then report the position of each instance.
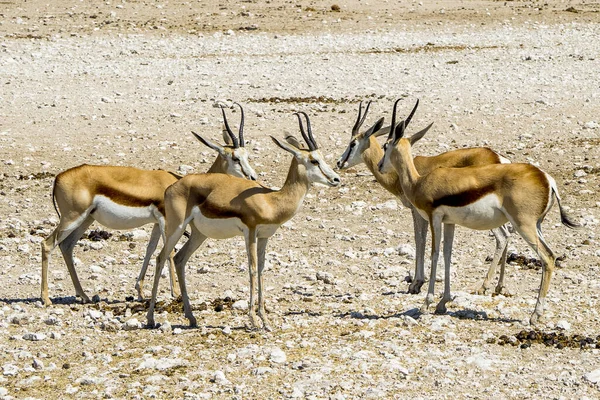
(406, 250)
(219, 378)
(177, 331)
(240, 305)
(563, 325)
(226, 330)
(95, 299)
(106, 100)
(262, 371)
(325, 277)
(34, 337)
(37, 364)
(593, 377)
(591, 125)
(10, 370)
(166, 327)
(278, 356)
(131, 325)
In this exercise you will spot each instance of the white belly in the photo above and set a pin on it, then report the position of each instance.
(486, 213)
(217, 228)
(117, 216)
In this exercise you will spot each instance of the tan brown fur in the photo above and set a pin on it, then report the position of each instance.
(524, 195)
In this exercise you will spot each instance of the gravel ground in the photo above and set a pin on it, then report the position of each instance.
(124, 83)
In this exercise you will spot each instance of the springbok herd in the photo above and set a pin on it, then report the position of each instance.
(475, 188)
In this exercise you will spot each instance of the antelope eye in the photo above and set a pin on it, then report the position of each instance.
(314, 162)
(352, 144)
(235, 159)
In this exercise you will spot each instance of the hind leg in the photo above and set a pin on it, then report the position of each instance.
(448, 240)
(532, 234)
(66, 227)
(500, 288)
(501, 235)
(66, 247)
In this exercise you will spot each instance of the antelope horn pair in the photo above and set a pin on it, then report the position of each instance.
(308, 138)
(235, 141)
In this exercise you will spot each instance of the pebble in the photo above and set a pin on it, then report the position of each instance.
(37, 364)
(177, 331)
(406, 250)
(278, 356)
(34, 337)
(10, 370)
(240, 305)
(593, 376)
(219, 378)
(563, 325)
(166, 327)
(325, 277)
(131, 325)
(262, 370)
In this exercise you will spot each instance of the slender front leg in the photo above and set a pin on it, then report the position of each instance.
(448, 239)
(436, 235)
(262, 248)
(154, 237)
(170, 243)
(250, 236)
(500, 288)
(420, 227)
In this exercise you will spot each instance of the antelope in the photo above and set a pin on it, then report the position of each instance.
(364, 147)
(125, 198)
(479, 197)
(220, 207)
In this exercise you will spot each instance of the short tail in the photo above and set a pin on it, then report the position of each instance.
(54, 198)
(565, 219)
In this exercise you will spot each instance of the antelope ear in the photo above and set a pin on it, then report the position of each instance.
(382, 132)
(287, 147)
(375, 128)
(226, 136)
(417, 136)
(291, 139)
(208, 143)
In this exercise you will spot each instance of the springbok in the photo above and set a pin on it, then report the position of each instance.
(481, 198)
(125, 198)
(364, 147)
(220, 207)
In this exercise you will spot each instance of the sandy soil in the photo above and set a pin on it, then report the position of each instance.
(124, 82)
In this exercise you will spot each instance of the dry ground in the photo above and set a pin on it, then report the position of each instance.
(123, 82)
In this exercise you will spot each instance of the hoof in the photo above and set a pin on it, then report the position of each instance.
(415, 287)
(47, 302)
(150, 324)
(441, 308)
(193, 322)
(482, 291)
(535, 319)
(502, 290)
(85, 299)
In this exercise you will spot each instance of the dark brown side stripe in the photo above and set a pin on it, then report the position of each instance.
(463, 198)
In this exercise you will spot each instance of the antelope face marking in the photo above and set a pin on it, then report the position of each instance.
(318, 171)
(238, 164)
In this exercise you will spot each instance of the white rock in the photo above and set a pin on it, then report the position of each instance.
(34, 337)
(564, 325)
(226, 330)
(480, 361)
(161, 364)
(95, 314)
(591, 125)
(219, 378)
(406, 250)
(10, 370)
(325, 277)
(593, 377)
(131, 325)
(177, 331)
(24, 248)
(3, 391)
(278, 356)
(240, 305)
(166, 327)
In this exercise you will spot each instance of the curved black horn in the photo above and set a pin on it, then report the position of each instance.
(411, 114)
(359, 120)
(241, 132)
(309, 130)
(393, 125)
(304, 135)
(231, 135)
